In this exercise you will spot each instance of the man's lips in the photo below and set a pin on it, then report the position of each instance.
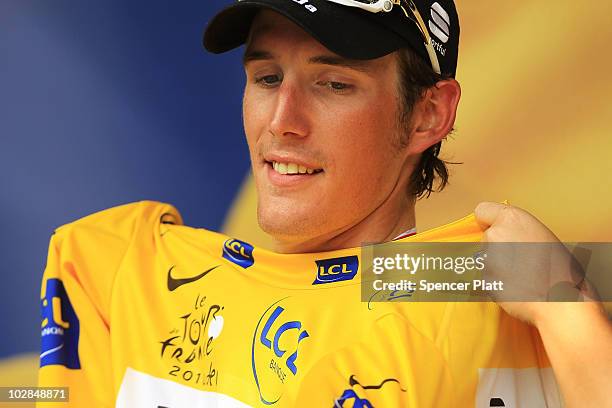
(283, 179)
(286, 163)
(291, 168)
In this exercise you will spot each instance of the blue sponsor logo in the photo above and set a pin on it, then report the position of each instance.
(357, 402)
(60, 328)
(336, 269)
(238, 252)
(274, 352)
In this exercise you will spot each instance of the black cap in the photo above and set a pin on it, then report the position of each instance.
(349, 31)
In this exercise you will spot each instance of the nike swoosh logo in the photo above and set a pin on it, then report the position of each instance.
(53, 350)
(173, 284)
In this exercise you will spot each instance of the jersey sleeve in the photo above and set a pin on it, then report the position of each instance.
(76, 293)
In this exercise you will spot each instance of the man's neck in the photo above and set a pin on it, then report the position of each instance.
(382, 225)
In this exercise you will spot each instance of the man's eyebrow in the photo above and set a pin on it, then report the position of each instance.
(357, 65)
(254, 55)
(337, 61)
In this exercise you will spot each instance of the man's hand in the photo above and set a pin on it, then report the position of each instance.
(577, 335)
(506, 223)
(533, 268)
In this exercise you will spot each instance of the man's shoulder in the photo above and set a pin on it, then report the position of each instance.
(123, 220)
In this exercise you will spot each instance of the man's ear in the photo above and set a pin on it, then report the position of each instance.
(434, 115)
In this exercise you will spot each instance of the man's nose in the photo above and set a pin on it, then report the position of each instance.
(290, 116)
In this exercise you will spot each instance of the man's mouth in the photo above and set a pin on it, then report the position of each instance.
(289, 168)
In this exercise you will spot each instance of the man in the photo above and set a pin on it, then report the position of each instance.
(345, 107)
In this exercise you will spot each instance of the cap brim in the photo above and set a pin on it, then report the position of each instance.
(346, 31)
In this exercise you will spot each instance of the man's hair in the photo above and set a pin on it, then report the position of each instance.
(416, 76)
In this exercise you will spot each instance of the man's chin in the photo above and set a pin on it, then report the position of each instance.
(287, 225)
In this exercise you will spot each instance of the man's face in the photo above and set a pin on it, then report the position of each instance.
(323, 132)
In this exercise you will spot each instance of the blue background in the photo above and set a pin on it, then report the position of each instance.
(104, 103)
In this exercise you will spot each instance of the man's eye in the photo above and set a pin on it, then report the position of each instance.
(337, 87)
(268, 80)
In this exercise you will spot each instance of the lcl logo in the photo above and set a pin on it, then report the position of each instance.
(336, 269)
(59, 328)
(238, 252)
(277, 340)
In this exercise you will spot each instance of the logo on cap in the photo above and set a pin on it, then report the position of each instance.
(440, 22)
(306, 5)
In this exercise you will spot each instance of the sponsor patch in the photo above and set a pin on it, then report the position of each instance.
(59, 328)
(336, 269)
(238, 252)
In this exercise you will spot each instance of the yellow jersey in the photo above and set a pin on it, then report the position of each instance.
(141, 311)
